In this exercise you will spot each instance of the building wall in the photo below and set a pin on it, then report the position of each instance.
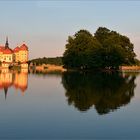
(6, 58)
(5, 65)
(24, 65)
(21, 56)
(16, 57)
(1, 56)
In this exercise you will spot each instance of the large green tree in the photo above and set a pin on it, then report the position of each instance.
(78, 49)
(106, 49)
(117, 48)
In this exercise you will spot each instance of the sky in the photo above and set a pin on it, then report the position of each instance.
(45, 25)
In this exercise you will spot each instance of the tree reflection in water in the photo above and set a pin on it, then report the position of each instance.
(106, 91)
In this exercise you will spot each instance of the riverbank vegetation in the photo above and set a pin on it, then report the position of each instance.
(53, 61)
(105, 49)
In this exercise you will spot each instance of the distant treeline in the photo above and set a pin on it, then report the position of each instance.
(44, 60)
(56, 61)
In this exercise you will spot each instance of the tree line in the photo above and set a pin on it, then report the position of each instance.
(45, 60)
(105, 49)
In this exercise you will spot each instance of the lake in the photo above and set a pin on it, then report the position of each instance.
(68, 105)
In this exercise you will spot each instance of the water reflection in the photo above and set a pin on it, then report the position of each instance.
(18, 80)
(45, 73)
(107, 92)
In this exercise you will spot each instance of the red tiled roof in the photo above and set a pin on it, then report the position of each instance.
(23, 47)
(16, 49)
(2, 48)
(7, 51)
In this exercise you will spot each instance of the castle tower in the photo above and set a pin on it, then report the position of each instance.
(6, 44)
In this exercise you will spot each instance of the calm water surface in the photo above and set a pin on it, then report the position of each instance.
(69, 105)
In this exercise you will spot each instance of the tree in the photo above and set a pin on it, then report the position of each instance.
(117, 46)
(106, 49)
(78, 49)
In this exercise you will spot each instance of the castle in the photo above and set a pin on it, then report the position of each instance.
(17, 55)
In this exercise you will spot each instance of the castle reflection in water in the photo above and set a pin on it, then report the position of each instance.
(18, 80)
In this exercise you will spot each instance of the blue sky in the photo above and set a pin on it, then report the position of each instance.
(46, 25)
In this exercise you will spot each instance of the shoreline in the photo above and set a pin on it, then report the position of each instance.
(50, 67)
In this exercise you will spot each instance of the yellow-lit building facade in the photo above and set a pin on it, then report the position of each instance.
(21, 54)
(18, 54)
(6, 54)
